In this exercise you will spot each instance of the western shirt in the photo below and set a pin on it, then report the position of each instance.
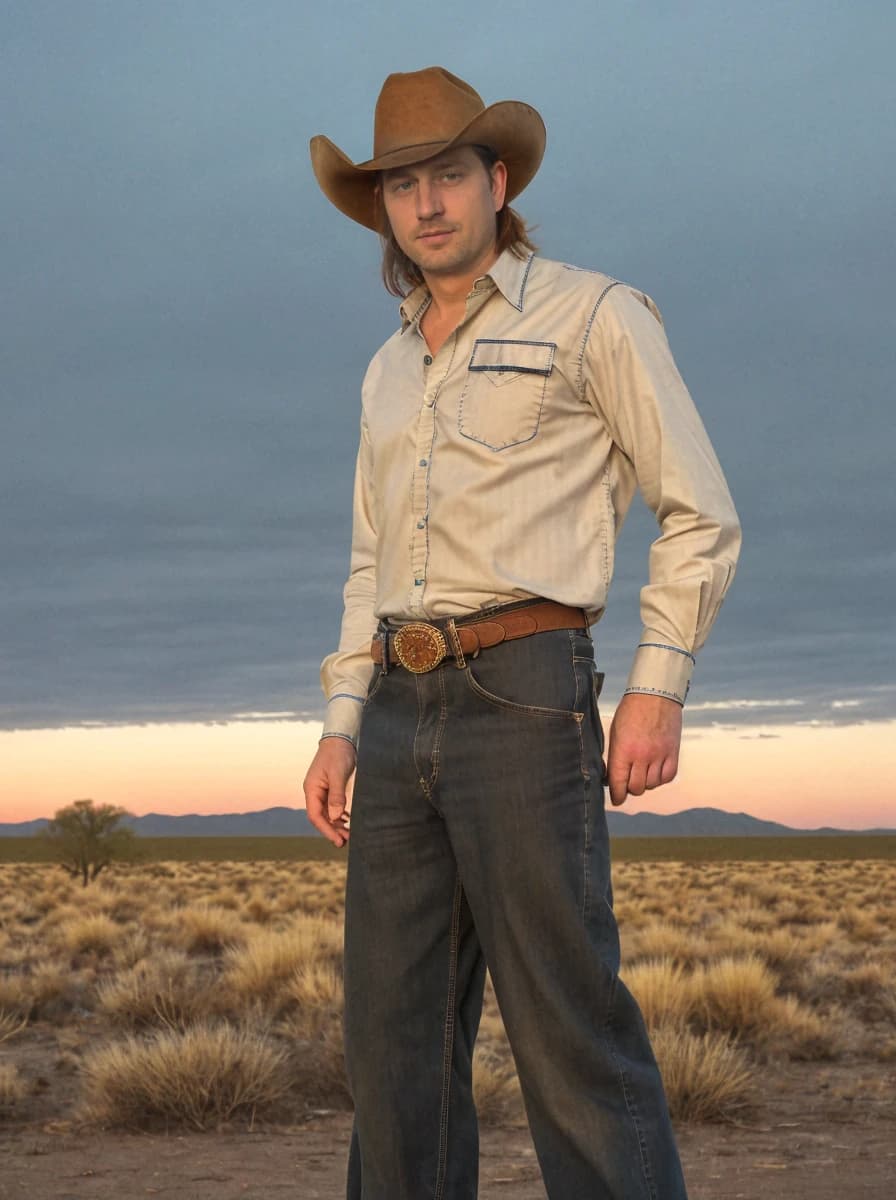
(503, 466)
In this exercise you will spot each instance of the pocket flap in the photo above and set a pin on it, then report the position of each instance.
(494, 354)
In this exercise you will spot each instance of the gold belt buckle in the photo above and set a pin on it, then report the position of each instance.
(419, 647)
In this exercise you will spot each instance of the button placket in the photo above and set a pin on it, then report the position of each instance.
(420, 488)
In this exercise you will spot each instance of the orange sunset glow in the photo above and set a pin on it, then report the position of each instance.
(803, 775)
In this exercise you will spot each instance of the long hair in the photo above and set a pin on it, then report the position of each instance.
(401, 274)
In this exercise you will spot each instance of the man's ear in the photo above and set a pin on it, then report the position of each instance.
(499, 184)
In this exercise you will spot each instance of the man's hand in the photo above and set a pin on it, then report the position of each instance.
(324, 786)
(644, 742)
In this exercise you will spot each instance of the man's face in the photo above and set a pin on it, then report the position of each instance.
(442, 211)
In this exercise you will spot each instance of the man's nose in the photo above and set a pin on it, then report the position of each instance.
(429, 201)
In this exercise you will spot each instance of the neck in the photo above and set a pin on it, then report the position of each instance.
(450, 291)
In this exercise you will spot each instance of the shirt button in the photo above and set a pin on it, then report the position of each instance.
(427, 360)
(422, 462)
(421, 524)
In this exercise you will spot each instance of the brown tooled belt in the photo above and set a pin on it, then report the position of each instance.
(420, 647)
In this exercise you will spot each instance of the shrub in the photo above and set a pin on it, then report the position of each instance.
(662, 990)
(209, 929)
(201, 1076)
(167, 989)
(259, 971)
(496, 1087)
(706, 1077)
(733, 994)
(95, 933)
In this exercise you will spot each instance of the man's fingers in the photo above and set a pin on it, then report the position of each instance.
(654, 775)
(326, 809)
(617, 778)
(637, 778)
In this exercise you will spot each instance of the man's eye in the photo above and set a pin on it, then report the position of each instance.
(401, 185)
(452, 175)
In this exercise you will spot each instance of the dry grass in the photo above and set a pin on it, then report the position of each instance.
(200, 1076)
(12, 1087)
(167, 990)
(209, 929)
(706, 1077)
(10, 1025)
(733, 965)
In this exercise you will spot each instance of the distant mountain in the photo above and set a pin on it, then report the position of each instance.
(293, 822)
(710, 822)
(270, 822)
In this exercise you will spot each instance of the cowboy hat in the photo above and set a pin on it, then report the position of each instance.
(418, 115)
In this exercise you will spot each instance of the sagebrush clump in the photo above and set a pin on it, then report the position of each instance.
(201, 993)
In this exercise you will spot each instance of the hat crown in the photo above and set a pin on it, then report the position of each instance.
(419, 108)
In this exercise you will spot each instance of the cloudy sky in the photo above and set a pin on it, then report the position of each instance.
(185, 321)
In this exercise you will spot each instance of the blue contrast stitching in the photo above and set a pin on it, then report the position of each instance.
(345, 696)
(505, 445)
(610, 517)
(524, 281)
(663, 646)
(512, 366)
(654, 692)
(580, 382)
(346, 737)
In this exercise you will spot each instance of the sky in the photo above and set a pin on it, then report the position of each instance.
(186, 320)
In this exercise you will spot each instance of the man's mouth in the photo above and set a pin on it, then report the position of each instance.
(433, 233)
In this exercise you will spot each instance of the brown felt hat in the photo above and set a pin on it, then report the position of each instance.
(418, 115)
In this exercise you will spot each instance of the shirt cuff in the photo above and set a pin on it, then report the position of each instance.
(661, 670)
(343, 716)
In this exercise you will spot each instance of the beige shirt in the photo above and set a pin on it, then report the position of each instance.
(503, 467)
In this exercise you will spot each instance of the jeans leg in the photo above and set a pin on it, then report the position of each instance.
(414, 970)
(523, 796)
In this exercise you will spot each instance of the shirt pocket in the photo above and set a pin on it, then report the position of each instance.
(502, 399)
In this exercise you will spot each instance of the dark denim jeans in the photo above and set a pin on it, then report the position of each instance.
(478, 836)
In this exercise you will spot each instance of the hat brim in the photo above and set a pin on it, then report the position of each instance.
(513, 130)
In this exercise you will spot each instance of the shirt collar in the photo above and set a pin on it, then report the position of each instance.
(508, 273)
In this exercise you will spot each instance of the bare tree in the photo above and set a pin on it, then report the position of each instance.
(87, 837)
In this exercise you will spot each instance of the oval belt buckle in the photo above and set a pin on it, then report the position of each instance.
(419, 647)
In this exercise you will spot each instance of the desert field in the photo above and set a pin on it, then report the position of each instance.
(174, 1029)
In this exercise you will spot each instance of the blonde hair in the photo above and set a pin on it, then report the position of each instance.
(401, 274)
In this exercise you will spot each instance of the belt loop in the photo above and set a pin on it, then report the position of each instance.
(455, 644)
(385, 638)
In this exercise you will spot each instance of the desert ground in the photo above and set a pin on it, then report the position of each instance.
(174, 1030)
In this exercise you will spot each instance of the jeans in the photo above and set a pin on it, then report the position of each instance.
(478, 837)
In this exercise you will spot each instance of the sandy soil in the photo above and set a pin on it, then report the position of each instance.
(825, 1132)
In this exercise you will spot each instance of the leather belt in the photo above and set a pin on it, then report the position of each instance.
(420, 646)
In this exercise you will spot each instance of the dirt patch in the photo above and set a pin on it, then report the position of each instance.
(825, 1132)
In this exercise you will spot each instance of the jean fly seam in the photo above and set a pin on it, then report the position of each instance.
(420, 776)
(437, 742)
(448, 1044)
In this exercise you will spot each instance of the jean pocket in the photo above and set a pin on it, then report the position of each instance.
(538, 676)
(501, 402)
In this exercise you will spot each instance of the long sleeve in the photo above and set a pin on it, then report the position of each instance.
(631, 380)
(345, 674)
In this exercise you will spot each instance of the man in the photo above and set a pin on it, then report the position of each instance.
(504, 429)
